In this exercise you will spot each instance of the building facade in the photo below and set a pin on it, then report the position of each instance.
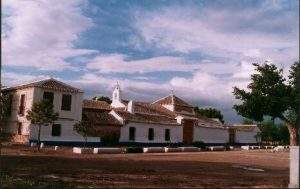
(67, 102)
(169, 120)
(166, 121)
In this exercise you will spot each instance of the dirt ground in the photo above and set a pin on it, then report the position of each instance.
(23, 166)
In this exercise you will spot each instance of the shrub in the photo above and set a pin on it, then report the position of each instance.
(199, 144)
(111, 139)
(134, 150)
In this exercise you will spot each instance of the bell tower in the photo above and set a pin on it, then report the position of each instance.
(116, 97)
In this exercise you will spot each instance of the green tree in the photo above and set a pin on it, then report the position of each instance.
(209, 112)
(248, 121)
(102, 98)
(42, 113)
(5, 109)
(283, 134)
(269, 95)
(84, 128)
(268, 132)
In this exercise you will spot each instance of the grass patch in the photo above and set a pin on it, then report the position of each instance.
(8, 181)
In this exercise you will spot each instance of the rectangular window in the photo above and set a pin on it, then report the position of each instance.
(22, 105)
(10, 102)
(167, 135)
(132, 133)
(56, 130)
(150, 134)
(66, 102)
(19, 128)
(48, 96)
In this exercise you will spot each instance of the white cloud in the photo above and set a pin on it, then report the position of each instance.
(40, 33)
(118, 63)
(100, 84)
(11, 78)
(238, 35)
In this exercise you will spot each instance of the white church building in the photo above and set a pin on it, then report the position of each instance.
(168, 120)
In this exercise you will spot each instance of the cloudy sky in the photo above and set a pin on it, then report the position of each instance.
(199, 49)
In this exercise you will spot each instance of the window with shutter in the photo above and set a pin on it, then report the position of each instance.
(66, 102)
(167, 135)
(48, 96)
(131, 133)
(151, 134)
(22, 105)
(56, 130)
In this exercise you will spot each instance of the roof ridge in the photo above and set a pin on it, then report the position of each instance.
(28, 83)
(160, 99)
(161, 115)
(40, 83)
(62, 83)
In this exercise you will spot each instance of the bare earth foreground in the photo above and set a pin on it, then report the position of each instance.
(24, 167)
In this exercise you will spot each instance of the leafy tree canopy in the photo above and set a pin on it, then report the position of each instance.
(210, 113)
(102, 98)
(5, 106)
(248, 121)
(84, 127)
(42, 113)
(271, 132)
(267, 94)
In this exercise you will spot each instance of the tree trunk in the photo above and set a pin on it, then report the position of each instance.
(85, 141)
(39, 138)
(293, 130)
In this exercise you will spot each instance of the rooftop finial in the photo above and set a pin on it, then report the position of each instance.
(172, 95)
(117, 85)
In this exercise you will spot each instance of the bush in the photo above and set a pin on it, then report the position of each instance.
(134, 150)
(199, 144)
(111, 139)
(227, 146)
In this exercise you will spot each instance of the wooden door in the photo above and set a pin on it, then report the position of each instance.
(188, 131)
(231, 136)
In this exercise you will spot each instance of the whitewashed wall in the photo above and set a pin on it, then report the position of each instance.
(66, 118)
(67, 133)
(210, 135)
(246, 137)
(76, 106)
(141, 133)
(14, 118)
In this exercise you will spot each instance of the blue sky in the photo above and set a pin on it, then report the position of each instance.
(199, 49)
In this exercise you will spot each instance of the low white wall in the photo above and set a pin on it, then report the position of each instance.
(210, 135)
(141, 133)
(245, 137)
(67, 133)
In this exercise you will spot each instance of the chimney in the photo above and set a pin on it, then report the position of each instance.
(130, 107)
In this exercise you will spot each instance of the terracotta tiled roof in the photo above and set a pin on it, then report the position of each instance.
(146, 118)
(172, 99)
(100, 118)
(148, 108)
(50, 84)
(103, 123)
(179, 104)
(95, 104)
(208, 122)
(244, 127)
(124, 101)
